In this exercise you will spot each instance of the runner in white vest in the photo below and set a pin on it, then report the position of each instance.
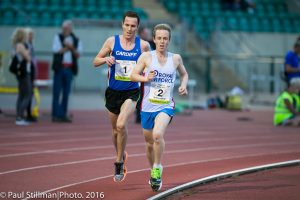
(158, 69)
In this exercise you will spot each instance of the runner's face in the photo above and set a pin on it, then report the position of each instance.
(129, 26)
(161, 40)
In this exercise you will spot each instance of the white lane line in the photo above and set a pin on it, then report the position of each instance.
(142, 154)
(53, 141)
(60, 141)
(202, 133)
(60, 164)
(53, 132)
(76, 140)
(222, 176)
(147, 169)
(57, 151)
(50, 151)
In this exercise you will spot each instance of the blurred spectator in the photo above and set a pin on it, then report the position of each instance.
(238, 5)
(287, 105)
(291, 64)
(250, 4)
(146, 35)
(228, 4)
(29, 44)
(67, 48)
(24, 73)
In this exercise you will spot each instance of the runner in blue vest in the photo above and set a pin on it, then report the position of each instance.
(157, 106)
(120, 53)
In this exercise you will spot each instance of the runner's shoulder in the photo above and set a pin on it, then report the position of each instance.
(110, 40)
(146, 54)
(177, 59)
(145, 45)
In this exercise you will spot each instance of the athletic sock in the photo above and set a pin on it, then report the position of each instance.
(157, 165)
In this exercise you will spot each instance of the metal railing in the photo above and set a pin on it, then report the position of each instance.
(219, 73)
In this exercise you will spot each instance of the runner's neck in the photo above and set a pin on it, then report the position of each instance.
(127, 44)
(162, 57)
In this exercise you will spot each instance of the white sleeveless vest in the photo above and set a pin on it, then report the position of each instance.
(158, 94)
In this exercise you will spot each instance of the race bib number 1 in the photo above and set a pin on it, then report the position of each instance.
(159, 93)
(123, 69)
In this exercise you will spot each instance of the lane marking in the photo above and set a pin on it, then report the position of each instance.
(53, 141)
(222, 176)
(147, 169)
(53, 132)
(132, 145)
(143, 154)
(76, 139)
(92, 130)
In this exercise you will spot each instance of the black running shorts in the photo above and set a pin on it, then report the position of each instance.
(114, 99)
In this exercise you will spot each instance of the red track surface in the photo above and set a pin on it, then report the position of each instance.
(78, 158)
(275, 184)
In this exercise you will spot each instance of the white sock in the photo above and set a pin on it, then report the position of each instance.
(157, 165)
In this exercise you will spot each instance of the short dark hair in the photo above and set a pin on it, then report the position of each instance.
(131, 14)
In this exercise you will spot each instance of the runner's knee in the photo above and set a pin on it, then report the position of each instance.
(120, 126)
(157, 137)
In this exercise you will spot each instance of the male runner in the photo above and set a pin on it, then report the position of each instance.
(157, 108)
(120, 53)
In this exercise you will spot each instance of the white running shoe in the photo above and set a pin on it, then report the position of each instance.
(22, 122)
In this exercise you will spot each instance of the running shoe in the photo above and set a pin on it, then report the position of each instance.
(156, 181)
(120, 169)
(21, 122)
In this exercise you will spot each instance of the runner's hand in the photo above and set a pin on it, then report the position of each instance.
(151, 76)
(110, 60)
(182, 91)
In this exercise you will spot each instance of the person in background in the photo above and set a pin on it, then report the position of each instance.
(24, 73)
(29, 44)
(145, 34)
(286, 112)
(238, 5)
(67, 48)
(291, 64)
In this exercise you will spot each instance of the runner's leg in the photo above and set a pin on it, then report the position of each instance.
(161, 122)
(149, 146)
(113, 119)
(127, 109)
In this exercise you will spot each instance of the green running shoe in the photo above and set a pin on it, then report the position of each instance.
(155, 180)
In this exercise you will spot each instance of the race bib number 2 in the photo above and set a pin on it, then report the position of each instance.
(159, 93)
(123, 69)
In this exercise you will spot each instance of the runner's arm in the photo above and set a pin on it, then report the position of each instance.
(184, 77)
(102, 57)
(140, 67)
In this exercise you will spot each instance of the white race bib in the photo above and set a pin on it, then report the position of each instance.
(159, 93)
(123, 69)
